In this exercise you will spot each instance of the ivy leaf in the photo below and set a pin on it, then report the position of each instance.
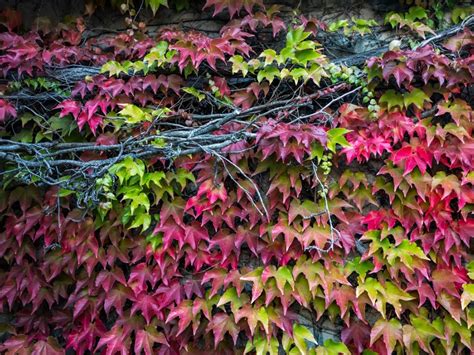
(470, 269)
(405, 252)
(300, 335)
(270, 56)
(389, 330)
(372, 287)
(239, 65)
(137, 199)
(194, 92)
(253, 316)
(332, 347)
(268, 73)
(415, 155)
(400, 71)
(135, 114)
(336, 136)
(416, 13)
(296, 36)
(451, 304)
(255, 277)
(141, 220)
(230, 295)
(416, 97)
(394, 19)
(113, 68)
(49, 346)
(448, 183)
(128, 168)
(233, 6)
(358, 334)
(155, 4)
(146, 338)
(359, 266)
(262, 317)
(306, 210)
(282, 276)
(184, 314)
(307, 55)
(392, 99)
(316, 73)
(297, 74)
(393, 295)
(458, 109)
(67, 107)
(453, 329)
(116, 340)
(421, 331)
(220, 324)
(343, 295)
(459, 41)
(182, 177)
(336, 25)
(447, 280)
(467, 295)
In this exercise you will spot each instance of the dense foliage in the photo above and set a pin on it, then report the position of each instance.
(203, 194)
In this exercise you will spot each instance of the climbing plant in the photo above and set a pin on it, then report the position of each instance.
(186, 193)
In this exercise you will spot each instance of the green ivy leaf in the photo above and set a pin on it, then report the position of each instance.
(392, 99)
(141, 219)
(300, 334)
(270, 56)
(155, 240)
(230, 295)
(317, 151)
(467, 295)
(360, 267)
(127, 169)
(336, 136)
(239, 65)
(134, 114)
(416, 13)
(268, 73)
(332, 347)
(283, 276)
(394, 19)
(470, 269)
(194, 92)
(297, 74)
(316, 73)
(334, 26)
(113, 68)
(460, 13)
(416, 97)
(155, 4)
(295, 36)
(182, 177)
(306, 55)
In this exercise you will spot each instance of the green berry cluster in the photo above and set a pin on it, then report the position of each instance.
(326, 163)
(351, 75)
(368, 98)
(323, 192)
(354, 76)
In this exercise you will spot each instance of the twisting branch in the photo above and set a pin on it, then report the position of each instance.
(468, 22)
(335, 234)
(48, 162)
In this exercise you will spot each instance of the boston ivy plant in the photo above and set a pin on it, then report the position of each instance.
(347, 195)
